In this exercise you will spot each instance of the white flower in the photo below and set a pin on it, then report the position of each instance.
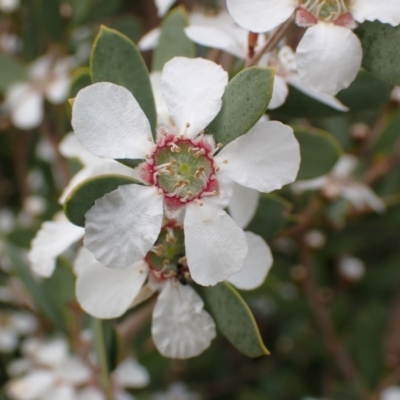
(329, 55)
(8, 6)
(13, 325)
(49, 372)
(181, 328)
(184, 177)
(177, 391)
(340, 183)
(221, 32)
(163, 6)
(48, 78)
(351, 268)
(390, 393)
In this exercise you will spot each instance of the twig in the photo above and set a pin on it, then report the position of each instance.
(338, 353)
(272, 41)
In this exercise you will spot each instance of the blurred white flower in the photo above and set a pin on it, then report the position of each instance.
(315, 239)
(340, 183)
(391, 393)
(184, 176)
(13, 325)
(177, 391)
(163, 6)
(329, 54)
(48, 372)
(47, 78)
(351, 268)
(8, 6)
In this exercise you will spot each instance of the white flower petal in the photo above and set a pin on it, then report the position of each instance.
(53, 238)
(107, 293)
(24, 322)
(161, 107)
(9, 5)
(327, 99)
(243, 204)
(360, 195)
(131, 374)
(261, 15)
(310, 184)
(123, 225)
(150, 40)
(328, 57)
(91, 393)
(8, 340)
(279, 94)
(391, 393)
(71, 147)
(344, 167)
(122, 395)
(181, 328)
(163, 6)
(216, 38)
(73, 371)
(58, 89)
(26, 106)
(266, 158)
(193, 89)
(60, 392)
(109, 122)
(31, 386)
(371, 10)
(51, 353)
(258, 263)
(215, 246)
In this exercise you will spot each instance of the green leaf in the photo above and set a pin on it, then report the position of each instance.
(52, 19)
(366, 92)
(173, 41)
(245, 101)
(234, 319)
(381, 48)
(82, 198)
(35, 288)
(271, 216)
(319, 152)
(115, 58)
(80, 79)
(390, 136)
(11, 71)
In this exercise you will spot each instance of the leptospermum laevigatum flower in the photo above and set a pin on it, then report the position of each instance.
(329, 55)
(181, 328)
(184, 174)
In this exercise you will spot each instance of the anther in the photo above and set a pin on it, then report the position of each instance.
(225, 162)
(187, 125)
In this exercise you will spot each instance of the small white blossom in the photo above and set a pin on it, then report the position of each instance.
(8, 6)
(47, 78)
(183, 176)
(352, 268)
(163, 6)
(341, 183)
(329, 54)
(390, 393)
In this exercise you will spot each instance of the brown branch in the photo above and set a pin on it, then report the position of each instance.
(272, 41)
(343, 361)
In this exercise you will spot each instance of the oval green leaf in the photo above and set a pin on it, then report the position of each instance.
(115, 58)
(82, 198)
(173, 41)
(388, 139)
(381, 48)
(245, 101)
(11, 71)
(80, 79)
(234, 319)
(319, 152)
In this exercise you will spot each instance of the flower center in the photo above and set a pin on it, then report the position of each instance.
(326, 10)
(182, 169)
(167, 257)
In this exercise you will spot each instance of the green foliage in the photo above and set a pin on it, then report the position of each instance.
(52, 19)
(245, 101)
(115, 58)
(271, 216)
(11, 71)
(234, 319)
(173, 41)
(319, 152)
(82, 198)
(80, 79)
(365, 93)
(381, 47)
(389, 137)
